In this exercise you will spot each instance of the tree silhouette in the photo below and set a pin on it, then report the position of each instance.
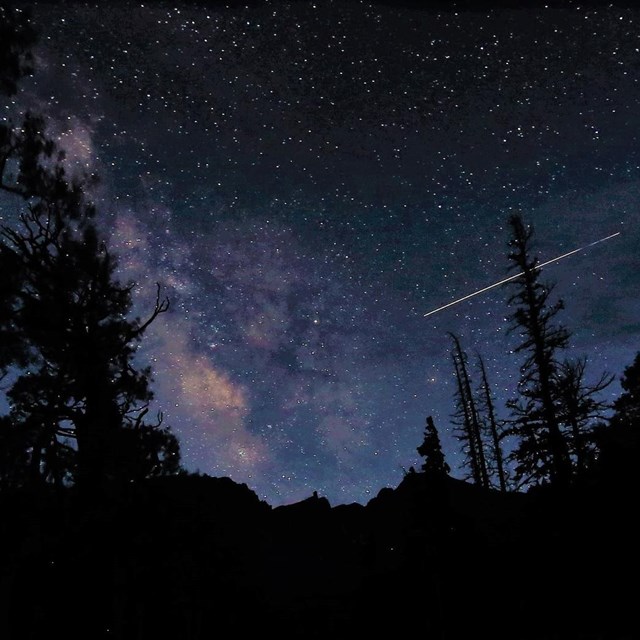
(468, 421)
(542, 453)
(495, 461)
(17, 37)
(618, 439)
(627, 406)
(580, 409)
(431, 451)
(78, 399)
(16, 61)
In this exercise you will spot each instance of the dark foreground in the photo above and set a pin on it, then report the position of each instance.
(193, 557)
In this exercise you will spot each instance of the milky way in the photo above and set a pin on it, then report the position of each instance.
(307, 179)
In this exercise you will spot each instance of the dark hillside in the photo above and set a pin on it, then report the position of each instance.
(189, 556)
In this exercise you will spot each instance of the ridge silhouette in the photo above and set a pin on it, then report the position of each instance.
(191, 556)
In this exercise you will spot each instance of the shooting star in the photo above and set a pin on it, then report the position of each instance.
(539, 266)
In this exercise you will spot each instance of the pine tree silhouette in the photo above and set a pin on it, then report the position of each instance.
(580, 410)
(431, 451)
(542, 453)
(495, 460)
(627, 405)
(17, 38)
(78, 399)
(468, 421)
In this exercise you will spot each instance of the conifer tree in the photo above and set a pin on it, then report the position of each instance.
(495, 462)
(17, 38)
(618, 438)
(627, 406)
(431, 450)
(580, 410)
(542, 453)
(468, 421)
(77, 394)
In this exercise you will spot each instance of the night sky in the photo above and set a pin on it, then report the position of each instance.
(308, 179)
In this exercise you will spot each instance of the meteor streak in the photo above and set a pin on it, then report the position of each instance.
(539, 266)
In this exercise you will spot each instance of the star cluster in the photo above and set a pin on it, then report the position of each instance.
(308, 179)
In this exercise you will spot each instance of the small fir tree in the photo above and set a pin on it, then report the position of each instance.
(431, 450)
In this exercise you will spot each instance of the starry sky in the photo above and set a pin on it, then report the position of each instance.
(308, 179)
